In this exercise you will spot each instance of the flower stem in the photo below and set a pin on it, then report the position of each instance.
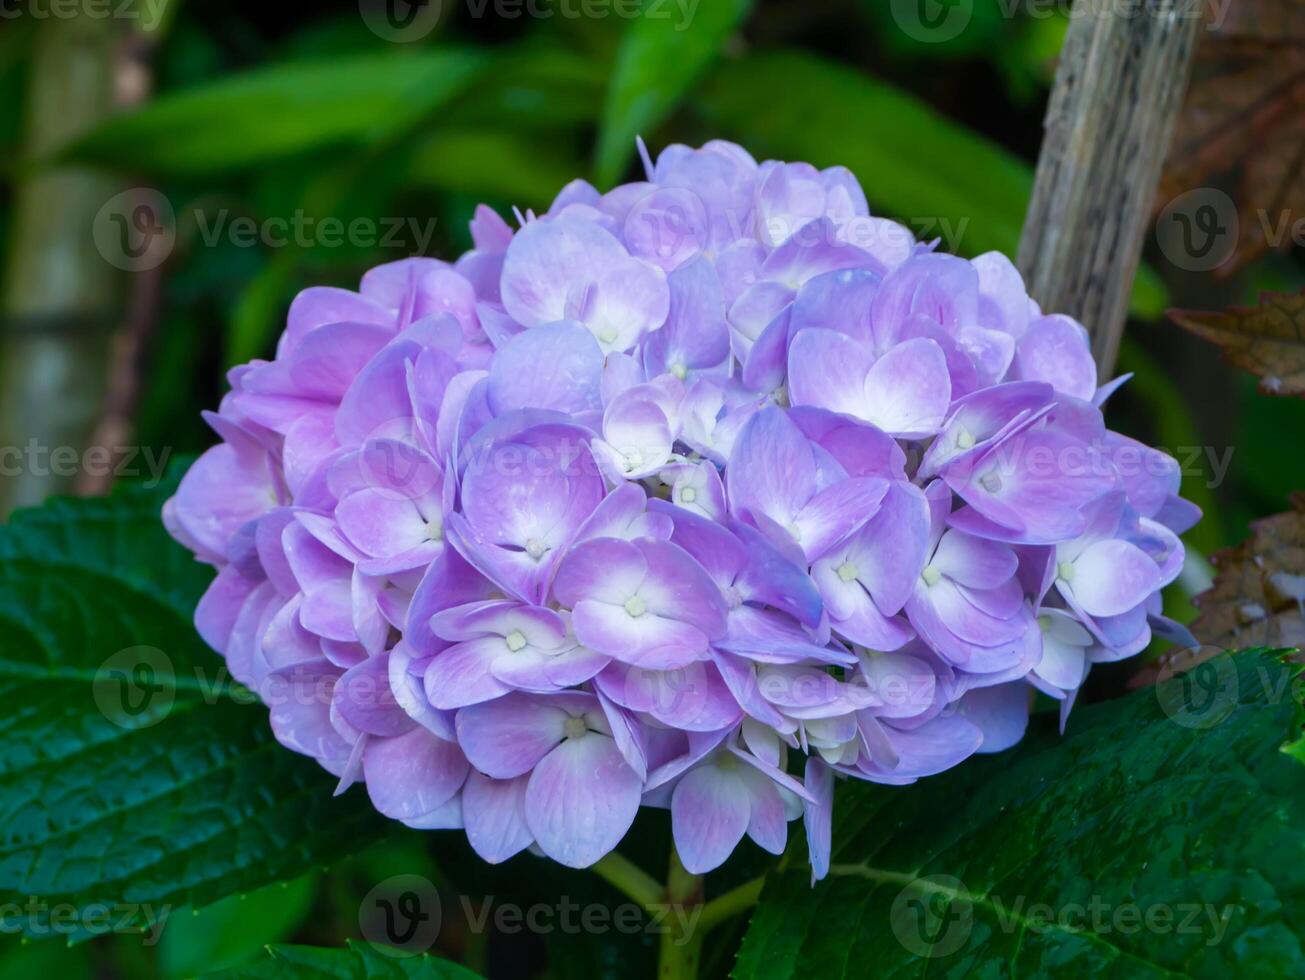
(681, 944)
(678, 905)
(732, 903)
(630, 880)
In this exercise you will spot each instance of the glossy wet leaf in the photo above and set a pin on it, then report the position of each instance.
(136, 774)
(359, 961)
(1161, 836)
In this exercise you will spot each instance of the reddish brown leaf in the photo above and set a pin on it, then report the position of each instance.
(1258, 596)
(1244, 121)
(1267, 340)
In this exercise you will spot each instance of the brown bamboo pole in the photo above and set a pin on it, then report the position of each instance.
(1118, 90)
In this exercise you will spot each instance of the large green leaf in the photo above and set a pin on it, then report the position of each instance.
(236, 929)
(497, 164)
(359, 961)
(136, 774)
(915, 164)
(662, 54)
(269, 113)
(537, 88)
(1163, 835)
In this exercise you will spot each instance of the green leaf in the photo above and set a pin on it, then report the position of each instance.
(360, 961)
(136, 774)
(496, 164)
(540, 88)
(236, 929)
(661, 57)
(1161, 836)
(916, 165)
(269, 113)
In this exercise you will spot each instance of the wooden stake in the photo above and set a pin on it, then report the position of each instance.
(1118, 91)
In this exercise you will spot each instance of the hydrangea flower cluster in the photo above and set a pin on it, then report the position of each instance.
(695, 494)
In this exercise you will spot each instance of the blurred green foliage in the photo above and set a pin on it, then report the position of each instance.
(272, 111)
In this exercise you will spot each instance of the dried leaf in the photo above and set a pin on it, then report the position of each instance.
(1244, 118)
(1258, 596)
(1268, 340)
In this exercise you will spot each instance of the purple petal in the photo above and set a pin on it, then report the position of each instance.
(219, 608)
(935, 746)
(767, 819)
(647, 640)
(508, 737)
(838, 301)
(695, 335)
(377, 403)
(710, 810)
(1055, 350)
(810, 251)
(828, 369)
(364, 699)
(410, 775)
(908, 390)
(545, 259)
(818, 816)
(890, 553)
(941, 287)
(461, 675)
(973, 561)
(861, 449)
(320, 305)
(984, 415)
(835, 512)
(1001, 714)
(1035, 483)
(494, 811)
(1003, 300)
(772, 469)
(667, 227)
(557, 367)
(1111, 577)
(581, 799)
(624, 303)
